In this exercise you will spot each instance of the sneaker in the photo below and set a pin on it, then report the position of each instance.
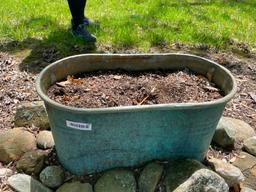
(87, 21)
(81, 32)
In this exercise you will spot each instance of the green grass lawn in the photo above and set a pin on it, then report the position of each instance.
(137, 24)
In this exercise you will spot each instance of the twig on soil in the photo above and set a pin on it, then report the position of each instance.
(247, 107)
(143, 100)
(241, 80)
(10, 164)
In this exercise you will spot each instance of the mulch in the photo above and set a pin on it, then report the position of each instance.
(111, 89)
(15, 87)
(18, 85)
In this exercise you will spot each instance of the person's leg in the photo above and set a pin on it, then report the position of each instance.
(77, 11)
(79, 21)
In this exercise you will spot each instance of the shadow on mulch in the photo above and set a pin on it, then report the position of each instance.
(38, 53)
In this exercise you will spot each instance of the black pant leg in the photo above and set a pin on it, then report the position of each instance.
(77, 8)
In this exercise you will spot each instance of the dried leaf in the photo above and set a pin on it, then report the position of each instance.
(253, 96)
(209, 88)
(241, 156)
(63, 83)
(233, 159)
(66, 98)
(153, 90)
(117, 77)
(72, 79)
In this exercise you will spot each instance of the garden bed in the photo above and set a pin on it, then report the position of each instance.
(120, 88)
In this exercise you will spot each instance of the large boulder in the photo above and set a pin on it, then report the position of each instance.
(150, 177)
(25, 183)
(116, 181)
(32, 113)
(230, 130)
(14, 143)
(203, 180)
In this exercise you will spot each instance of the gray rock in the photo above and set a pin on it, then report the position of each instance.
(14, 143)
(32, 113)
(250, 145)
(52, 176)
(203, 180)
(247, 189)
(230, 173)
(75, 187)
(5, 172)
(230, 130)
(31, 162)
(45, 140)
(150, 177)
(179, 171)
(116, 181)
(247, 164)
(25, 183)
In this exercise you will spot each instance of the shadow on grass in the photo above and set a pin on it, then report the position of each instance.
(38, 53)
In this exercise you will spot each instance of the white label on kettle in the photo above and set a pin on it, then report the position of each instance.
(78, 125)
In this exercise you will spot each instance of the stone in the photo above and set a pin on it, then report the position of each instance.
(247, 189)
(14, 143)
(150, 177)
(230, 173)
(75, 187)
(179, 171)
(25, 183)
(31, 162)
(247, 164)
(250, 145)
(45, 140)
(32, 113)
(203, 180)
(52, 176)
(230, 130)
(244, 161)
(116, 181)
(5, 172)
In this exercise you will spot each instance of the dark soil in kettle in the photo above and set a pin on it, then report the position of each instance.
(120, 88)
